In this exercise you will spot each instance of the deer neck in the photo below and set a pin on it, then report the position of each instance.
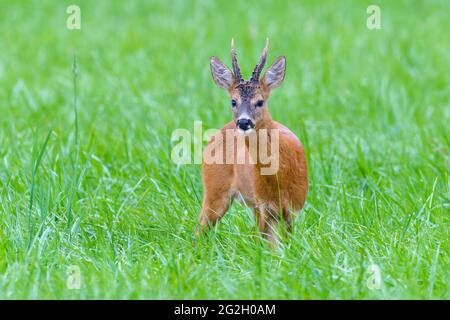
(265, 152)
(263, 126)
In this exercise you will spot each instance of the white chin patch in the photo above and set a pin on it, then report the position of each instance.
(246, 132)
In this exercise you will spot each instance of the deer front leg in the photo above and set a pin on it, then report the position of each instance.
(217, 183)
(213, 209)
(217, 196)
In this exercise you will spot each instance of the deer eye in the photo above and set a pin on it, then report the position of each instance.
(260, 103)
(233, 103)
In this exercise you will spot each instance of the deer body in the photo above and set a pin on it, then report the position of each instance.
(274, 196)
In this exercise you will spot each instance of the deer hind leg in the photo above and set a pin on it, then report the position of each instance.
(287, 220)
(259, 218)
(270, 224)
(267, 221)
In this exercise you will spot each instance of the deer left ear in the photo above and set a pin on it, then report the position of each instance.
(274, 76)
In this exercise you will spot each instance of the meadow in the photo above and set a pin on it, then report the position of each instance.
(88, 187)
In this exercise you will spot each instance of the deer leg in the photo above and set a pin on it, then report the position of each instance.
(217, 197)
(287, 219)
(271, 231)
(213, 209)
(268, 224)
(259, 218)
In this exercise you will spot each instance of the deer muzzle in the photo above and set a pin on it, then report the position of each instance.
(245, 124)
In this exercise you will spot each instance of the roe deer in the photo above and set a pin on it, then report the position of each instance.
(275, 196)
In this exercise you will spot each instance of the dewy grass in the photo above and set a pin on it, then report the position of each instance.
(87, 182)
(77, 143)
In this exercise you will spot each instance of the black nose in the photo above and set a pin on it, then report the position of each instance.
(245, 124)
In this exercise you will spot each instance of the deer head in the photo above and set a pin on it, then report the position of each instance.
(249, 97)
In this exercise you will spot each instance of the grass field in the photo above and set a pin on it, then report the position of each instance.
(91, 185)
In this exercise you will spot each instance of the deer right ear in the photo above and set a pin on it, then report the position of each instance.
(222, 76)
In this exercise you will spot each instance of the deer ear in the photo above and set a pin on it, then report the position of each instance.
(222, 76)
(274, 76)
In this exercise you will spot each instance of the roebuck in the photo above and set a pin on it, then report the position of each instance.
(273, 196)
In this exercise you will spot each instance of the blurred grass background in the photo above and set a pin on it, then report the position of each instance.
(371, 107)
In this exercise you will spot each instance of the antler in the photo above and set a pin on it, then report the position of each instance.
(262, 61)
(237, 72)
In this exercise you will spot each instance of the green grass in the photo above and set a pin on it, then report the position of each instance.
(371, 107)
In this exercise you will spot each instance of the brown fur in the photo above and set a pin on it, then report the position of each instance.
(267, 195)
(272, 197)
